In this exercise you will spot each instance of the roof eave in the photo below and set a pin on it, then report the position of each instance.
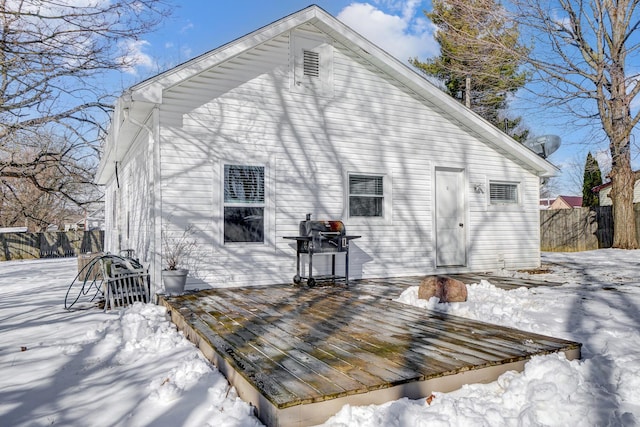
(151, 89)
(126, 123)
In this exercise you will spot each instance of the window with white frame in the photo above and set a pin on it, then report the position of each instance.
(366, 195)
(503, 193)
(244, 203)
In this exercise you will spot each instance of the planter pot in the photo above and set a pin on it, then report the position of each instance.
(174, 281)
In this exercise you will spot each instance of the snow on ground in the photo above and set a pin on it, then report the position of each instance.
(132, 368)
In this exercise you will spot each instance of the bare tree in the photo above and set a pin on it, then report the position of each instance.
(586, 53)
(22, 204)
(44, 180)
(54, 57)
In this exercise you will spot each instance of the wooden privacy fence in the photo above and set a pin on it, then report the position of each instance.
(50, 245)
(579, 229)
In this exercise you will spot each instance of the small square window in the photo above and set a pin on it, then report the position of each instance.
(244, 203)
(503, 193)
(366, 196)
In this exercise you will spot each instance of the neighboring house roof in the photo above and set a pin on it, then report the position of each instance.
(136, 105)
(597, 188)
(566, 202)
(573, 201)
(604, 185)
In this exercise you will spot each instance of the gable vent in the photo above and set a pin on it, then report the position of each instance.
(311, 64)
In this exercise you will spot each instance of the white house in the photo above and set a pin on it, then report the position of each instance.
(604, 191)
(305, 116)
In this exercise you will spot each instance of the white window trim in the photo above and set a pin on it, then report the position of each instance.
(387, 186)
(505, 205)
(240, 248)
(259, 205)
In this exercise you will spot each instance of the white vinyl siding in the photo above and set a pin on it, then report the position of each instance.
(128, 198)
(312, 64)
(247, 107)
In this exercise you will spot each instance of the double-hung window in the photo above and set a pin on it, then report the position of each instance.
(244, 203)
(503, 193)
(366, 196)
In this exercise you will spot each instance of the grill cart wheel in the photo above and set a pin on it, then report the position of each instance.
(311, 282)
(296, 279)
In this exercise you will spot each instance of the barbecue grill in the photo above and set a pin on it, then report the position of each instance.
(321, 237)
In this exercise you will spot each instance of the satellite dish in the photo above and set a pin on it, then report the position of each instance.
(544, 145)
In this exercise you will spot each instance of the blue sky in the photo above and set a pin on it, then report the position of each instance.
(198, 26)
(398, 26)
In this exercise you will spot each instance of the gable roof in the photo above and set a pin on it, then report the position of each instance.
(135, 106)
(573, 201)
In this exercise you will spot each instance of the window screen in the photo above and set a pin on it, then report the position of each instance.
(503, 193)
(243, 203)
(366, 195)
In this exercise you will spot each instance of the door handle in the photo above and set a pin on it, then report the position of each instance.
(461, 225)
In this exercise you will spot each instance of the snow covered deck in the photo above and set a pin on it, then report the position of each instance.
(298, 355)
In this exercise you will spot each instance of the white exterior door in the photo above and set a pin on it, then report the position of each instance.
(451, 244)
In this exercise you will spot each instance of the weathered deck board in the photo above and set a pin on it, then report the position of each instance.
(296, 353)
(503, 282)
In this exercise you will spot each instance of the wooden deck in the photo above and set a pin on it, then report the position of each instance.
(299, 354)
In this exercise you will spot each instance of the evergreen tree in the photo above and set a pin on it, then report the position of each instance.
(479, 50)
(592, 178)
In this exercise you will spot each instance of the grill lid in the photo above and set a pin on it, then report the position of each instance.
(313, 227)
(308, 228)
